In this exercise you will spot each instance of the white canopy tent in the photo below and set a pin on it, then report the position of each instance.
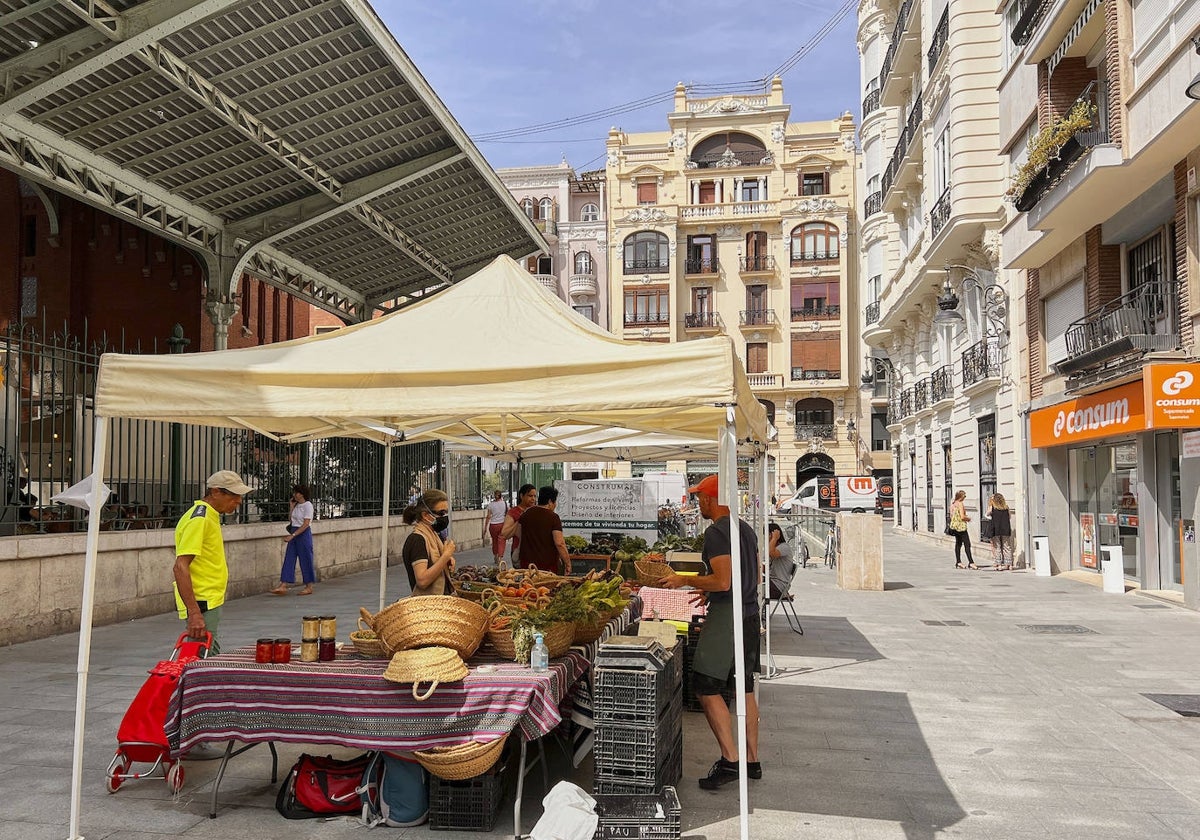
(494, 362)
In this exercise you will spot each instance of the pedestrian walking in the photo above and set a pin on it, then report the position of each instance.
(958, 529)
(497, 509)
(1002, 536)
(299, 543)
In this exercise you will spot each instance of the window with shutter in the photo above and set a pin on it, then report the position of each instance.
(647, 193)
(756, 357)
(1058, 311)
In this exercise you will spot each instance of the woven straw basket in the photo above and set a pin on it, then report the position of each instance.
(558, 637)
(367, 643)
(461, 762)
(431, 665)
(430, 621)
(651, 572)
(590, 632)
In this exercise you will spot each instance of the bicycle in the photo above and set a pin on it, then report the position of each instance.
(831, 548)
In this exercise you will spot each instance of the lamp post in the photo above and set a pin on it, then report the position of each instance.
(1192, 91)
(995, 300)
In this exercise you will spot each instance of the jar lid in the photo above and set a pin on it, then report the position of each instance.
(311, 618)
(265, 642)
(327, 617)
(308, 641)
(283, 641)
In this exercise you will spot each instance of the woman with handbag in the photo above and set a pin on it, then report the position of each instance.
(958, 529)
(1001, 517)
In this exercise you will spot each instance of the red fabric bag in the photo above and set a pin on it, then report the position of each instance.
(320, 786)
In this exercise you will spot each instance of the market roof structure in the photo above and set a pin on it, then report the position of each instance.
(290, 138)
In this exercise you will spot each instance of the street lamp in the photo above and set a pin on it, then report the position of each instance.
(1192, 91)
(995, 300)
(876, 366)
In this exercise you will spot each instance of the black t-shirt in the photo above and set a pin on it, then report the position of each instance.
(716, 543)
(538, 525)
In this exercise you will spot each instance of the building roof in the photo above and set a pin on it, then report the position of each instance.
(290, 138)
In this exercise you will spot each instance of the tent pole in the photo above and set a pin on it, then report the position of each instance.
(95, 502)
(766, 667)
(387, 507)
(729, 481)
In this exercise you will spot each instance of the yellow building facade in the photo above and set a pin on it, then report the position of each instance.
(735, 221)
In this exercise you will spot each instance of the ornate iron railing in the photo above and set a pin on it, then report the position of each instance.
(702, 321)
(815, 431)
(1141, 320)
(870, 103)
(1032, 12)
(815, 256)
(873, 204)
(941, 384)
(911, 126)
(895, 412)
(871, 316)
(814, 313)
(906, 402)
(897, 32)
(707, 265)
(921, 395)
(758, 262)
(634, 318)
(940, 214)
(660, 266)
(981, 361)
(756, 317)
(940, 35)
(801, 374)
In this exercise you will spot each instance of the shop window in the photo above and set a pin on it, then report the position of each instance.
(814, 183)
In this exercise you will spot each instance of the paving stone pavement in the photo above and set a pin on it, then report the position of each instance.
(923, 711)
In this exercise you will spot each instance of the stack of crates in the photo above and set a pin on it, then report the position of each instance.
(638, 711)
(645, 816)
(468, 805)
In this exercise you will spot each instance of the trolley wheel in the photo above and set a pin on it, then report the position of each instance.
(175, 778)
(116, 772)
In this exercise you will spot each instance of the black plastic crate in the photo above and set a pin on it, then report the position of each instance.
(669, 774)
(470, 805)
(640, 816)
(621, 750)
(636, 697)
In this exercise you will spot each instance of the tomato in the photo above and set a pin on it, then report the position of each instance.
(510, 592)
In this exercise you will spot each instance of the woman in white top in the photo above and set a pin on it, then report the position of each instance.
(299, 544)
(493, 522)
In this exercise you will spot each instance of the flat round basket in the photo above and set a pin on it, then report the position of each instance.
(464, 761)
(651, 572)
(431, 621)
(366, 643)
(558, 637)
(432, 665)
(590, 632)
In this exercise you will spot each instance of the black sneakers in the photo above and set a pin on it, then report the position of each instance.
(754, 769)
(723, 772)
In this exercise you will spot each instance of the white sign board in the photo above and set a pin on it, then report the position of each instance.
(616, 505)
(1191, 444)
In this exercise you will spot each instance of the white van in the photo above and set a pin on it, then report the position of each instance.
(844, 492)
(667, 487)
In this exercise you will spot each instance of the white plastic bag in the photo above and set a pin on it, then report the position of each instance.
(569, 814)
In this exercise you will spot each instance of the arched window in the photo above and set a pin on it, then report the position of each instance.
(583, 263)
(815, 242)
(527, 206)
(770, 407)
(728, 149)
(646, 251)
(814, 411)
(589, 213)
(546, 209)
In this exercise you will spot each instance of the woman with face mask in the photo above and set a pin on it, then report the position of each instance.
(428, 558)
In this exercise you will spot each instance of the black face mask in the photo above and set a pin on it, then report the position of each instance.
(441, 523)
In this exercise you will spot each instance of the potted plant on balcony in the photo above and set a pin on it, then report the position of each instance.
(1052, 143)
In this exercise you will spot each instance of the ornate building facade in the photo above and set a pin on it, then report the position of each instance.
(735, 221)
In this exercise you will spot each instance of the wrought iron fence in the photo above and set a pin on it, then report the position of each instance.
(821, 311)
(903, 143)
(941, 384)
(702, 321)
(815, 431)
(895, 411)
(706, 265)
(897, 34)
(1032, 12)
(940, 214)
(1144, 318)
(658, 266)
(156, 469)
(633, 318)
(872, 313)
(756, 317)
(870, 103)
(940, 35)
(981, 361)
(873, 204)
(921, 395)
(757, 262)
(906, 402)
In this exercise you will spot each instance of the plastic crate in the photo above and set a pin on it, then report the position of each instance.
(641, 816)
(620, 750)
(634, 697)
(669, 774)
(470, 805)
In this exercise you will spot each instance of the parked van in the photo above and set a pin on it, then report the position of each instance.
(834, 493)
(667, 487)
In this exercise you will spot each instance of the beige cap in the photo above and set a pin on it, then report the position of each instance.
(229, 480)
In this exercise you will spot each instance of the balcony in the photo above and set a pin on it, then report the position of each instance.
(728, 210)
(548, 226)
(920, 397)
(583, 285)
(871, 315)
(981, 366)
(940, 36)
(757, 318)
(703, 322)
(941, 386)
(815, 431)
(1141, 321)
(765, 380)
(801, 374)
(1084, 115)
(940, 214)
(757, 263)
(705, 265)
(870, 103)
(802, 257)
(1032, 12)
(647, 266)
(821, 312)
(902, 54)
(909, 138)
(873, 204)
(895, 412)
(638, 319)
(549, 281)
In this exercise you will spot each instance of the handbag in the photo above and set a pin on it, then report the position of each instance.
(950, 532)
(319, 786)
(986, 528)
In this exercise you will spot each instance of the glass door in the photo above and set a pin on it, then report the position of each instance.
(1104, 505)
(1085, 547)
(1170, 505)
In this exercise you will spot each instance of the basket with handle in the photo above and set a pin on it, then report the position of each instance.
(558, 638)
(432, 665)
(366, 642)
(430, 621)
(651, 572)
(586, 633)
(464, 761)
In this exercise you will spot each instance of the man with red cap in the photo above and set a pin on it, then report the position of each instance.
(714, 662)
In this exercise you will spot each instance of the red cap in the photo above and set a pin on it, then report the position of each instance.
(706, 485)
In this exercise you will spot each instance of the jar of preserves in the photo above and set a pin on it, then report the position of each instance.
(310, 627)
(327, 650)
(264, 650)
(281, 651)
(328, 628)
(309, 650)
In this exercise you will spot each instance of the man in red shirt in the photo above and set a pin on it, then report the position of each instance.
(542, 543)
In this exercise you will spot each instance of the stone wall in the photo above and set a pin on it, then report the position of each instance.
(41, 576)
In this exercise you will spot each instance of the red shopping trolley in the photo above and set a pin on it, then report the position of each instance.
(141, 737)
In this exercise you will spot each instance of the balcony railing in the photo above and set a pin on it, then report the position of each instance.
(705, 265)
(729, 159)
(728, 210)
(583, 285)
(940, 35)
(871, 316)
(940, 214)
(1140, 321)
(906, 403)
(757, 317)
(815, 431)
(636, 318)
(895, 412)
(873, 204)
(546, 226)
(825, 311)
(941, 384)
(647, 266)
(870, 103)
(802, 374)
(702, 321)
(921, 395)
(981, 361)
(897, 32)
(1032, 12)
(1075, 147)
(799, 257)
(910, 133)
(765, 380)
(757, 262)
(548, 281)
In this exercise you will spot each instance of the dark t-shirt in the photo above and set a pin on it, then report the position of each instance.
(537, 539)
(716, 543)
(416, 551)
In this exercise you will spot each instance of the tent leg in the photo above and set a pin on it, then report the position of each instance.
(99, 453)
(729, 482)
(383, 539)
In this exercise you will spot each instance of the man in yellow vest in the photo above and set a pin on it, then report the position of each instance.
(201, 573)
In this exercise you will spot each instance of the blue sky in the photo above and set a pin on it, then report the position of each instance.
(505, 64)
